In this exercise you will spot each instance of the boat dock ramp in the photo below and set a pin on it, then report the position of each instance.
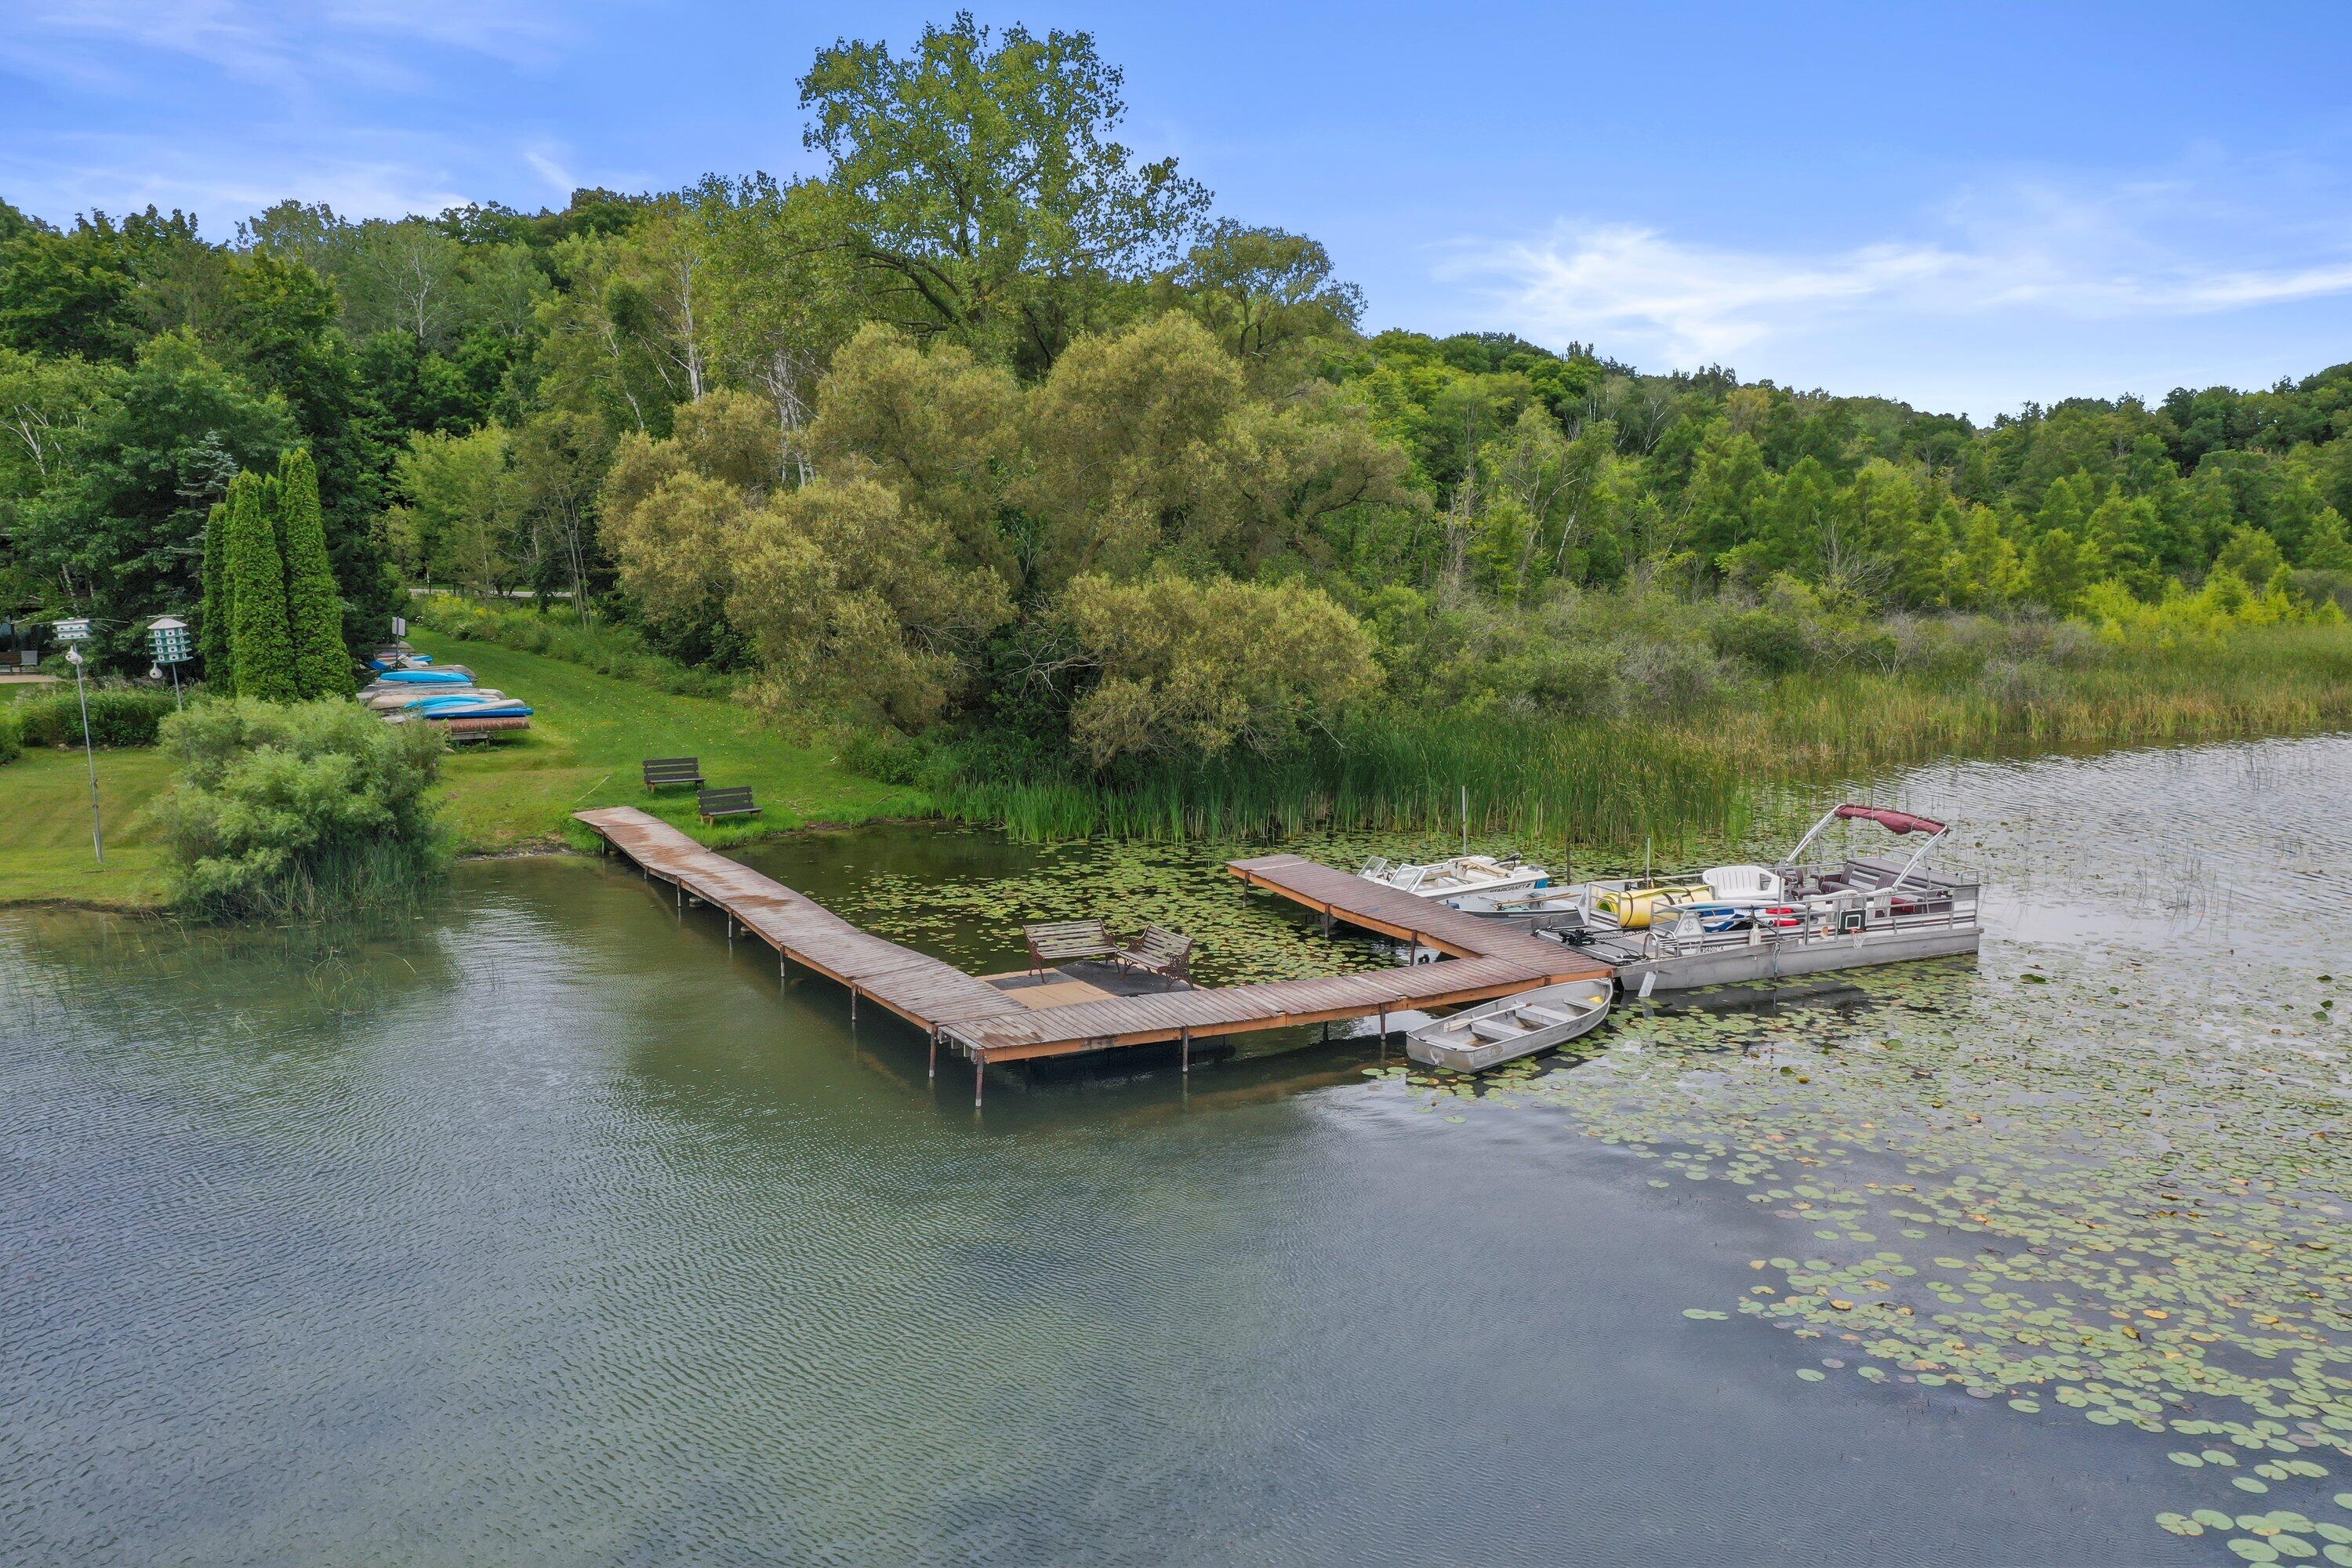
(988, 1021)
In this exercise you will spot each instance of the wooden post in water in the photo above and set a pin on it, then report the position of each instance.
(1384, 1032)
(979, 1076)
(853, 1004)
(1185, 1035)
(932, 1075)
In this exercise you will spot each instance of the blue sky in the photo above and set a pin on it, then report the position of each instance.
(1965, 207)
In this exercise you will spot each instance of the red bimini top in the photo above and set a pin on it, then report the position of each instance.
(1893, 821)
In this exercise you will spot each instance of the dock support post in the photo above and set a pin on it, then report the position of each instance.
(1327, 920)
(853, 1007)
(681, 896)
(979, 1076)
(783, 970)
(932, 1075)
(1186, 1036)
(730, 934)
(1384, 1033)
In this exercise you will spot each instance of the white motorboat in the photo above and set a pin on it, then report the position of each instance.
(1464, 874)
(1495, 1032)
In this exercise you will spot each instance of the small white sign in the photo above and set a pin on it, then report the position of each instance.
(400, 626)
(73, 631)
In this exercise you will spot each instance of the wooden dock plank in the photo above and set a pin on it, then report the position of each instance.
(989, 1024)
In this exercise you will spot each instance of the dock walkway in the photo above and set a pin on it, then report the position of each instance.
(987, 1025)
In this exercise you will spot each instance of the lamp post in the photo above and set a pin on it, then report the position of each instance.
(97, 824)
(169, 638)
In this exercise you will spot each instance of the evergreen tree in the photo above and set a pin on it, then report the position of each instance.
(213, 620)
(323, 664)
(259, 650)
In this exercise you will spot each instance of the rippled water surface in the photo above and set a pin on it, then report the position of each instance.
(551, 1231)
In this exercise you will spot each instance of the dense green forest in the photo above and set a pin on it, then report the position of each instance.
(997, 445)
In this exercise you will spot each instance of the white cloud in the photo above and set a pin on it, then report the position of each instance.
(82, 42)
(542, 162)
(2153, 249)
(362, 173)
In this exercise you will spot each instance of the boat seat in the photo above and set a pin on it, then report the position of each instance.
(1742, 881)
(1495, 1029)
(1546, 1016)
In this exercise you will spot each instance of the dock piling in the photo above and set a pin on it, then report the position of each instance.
(1186, 1036)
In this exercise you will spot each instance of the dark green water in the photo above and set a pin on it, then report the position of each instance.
(549, 1231)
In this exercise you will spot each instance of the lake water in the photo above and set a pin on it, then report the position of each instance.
(551, 1231)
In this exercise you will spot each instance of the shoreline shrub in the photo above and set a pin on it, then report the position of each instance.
(300, 810)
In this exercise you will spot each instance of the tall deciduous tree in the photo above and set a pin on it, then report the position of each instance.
(260, 650)
(981, 189)
(323, 663)
(1266, 293)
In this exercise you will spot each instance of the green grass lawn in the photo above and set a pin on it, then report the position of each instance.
(588, 734)
(45, 848)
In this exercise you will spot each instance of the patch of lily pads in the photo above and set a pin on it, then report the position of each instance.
(2109, 1195)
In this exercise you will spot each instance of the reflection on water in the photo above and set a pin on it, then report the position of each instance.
(549, 1230)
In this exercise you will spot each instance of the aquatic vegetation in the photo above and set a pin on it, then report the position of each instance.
(2119, 1199)
(972, 916)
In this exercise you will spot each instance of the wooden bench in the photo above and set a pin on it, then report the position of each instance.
(1054, 942)
(661, 771)
(1160, 951)
(734, 800)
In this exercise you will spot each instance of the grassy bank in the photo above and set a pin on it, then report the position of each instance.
(589, 731)
(47, 857)
(586, 740)
(1613, 783)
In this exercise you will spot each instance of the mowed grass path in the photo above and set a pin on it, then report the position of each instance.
(588, 734)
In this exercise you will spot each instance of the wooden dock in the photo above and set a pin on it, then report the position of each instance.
(987, 1025)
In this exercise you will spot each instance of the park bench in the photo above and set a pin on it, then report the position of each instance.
(734, 800)
(665, 771)
(1055, 943)
(1160, 951)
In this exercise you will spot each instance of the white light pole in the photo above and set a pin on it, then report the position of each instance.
(97, 824)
